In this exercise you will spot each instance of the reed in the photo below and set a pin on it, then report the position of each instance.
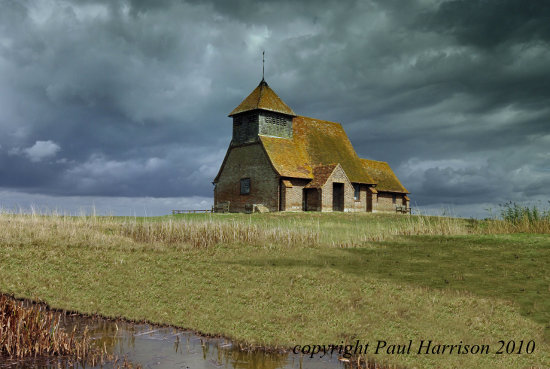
(202, 234)
(34, 331)
(106, 231)
(517, 218)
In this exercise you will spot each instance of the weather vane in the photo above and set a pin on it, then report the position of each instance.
(263, 64)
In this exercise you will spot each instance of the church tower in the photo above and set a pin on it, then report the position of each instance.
(261, 113)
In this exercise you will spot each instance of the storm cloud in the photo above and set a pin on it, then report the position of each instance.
(129, 100)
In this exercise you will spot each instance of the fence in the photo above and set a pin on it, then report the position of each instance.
(174, 212)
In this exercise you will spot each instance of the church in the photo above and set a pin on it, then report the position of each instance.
(280, 161)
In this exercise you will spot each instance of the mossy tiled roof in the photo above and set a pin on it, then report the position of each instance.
(384, 176)
(263, 97)
(314, 143)
(288, 158)
(321, 174)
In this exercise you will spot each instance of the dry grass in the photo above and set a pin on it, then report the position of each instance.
(105, 231)
(32, 331)
(419, 225)
(525, 225)
(210, 233)
(333, 230)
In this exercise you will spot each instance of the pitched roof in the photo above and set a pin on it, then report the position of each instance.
(263, 97)
(315, 142)
(288, 157)
(321, 173)
(384, 176)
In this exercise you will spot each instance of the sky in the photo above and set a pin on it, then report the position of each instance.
(122, 106)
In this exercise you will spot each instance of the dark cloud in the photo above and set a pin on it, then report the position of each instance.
(490, 23)
(131, 98)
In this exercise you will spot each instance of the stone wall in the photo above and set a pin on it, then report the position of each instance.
(249, 161)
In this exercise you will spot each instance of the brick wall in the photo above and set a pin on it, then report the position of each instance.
(360, 205)
(293, 196)
(385, 201)
(337, 176)
(249, 161)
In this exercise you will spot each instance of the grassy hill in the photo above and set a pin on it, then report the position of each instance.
(281, 280)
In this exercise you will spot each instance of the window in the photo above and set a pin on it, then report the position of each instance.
(245, 186)
(357, 192)
(393, 198)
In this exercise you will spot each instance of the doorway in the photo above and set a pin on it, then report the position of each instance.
(311, 199)
(369, 201)
(337, 197)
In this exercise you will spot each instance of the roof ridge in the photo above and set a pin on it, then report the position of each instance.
(384, 176)
(325, 165)
(320, 120)
(378, 161)
(271, 136)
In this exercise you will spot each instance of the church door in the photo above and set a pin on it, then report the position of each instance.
(311, 197)
(337, 197)
(369, 201)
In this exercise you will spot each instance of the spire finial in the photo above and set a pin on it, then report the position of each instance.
(263, 65)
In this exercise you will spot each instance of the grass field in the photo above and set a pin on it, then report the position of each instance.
(281, 280)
